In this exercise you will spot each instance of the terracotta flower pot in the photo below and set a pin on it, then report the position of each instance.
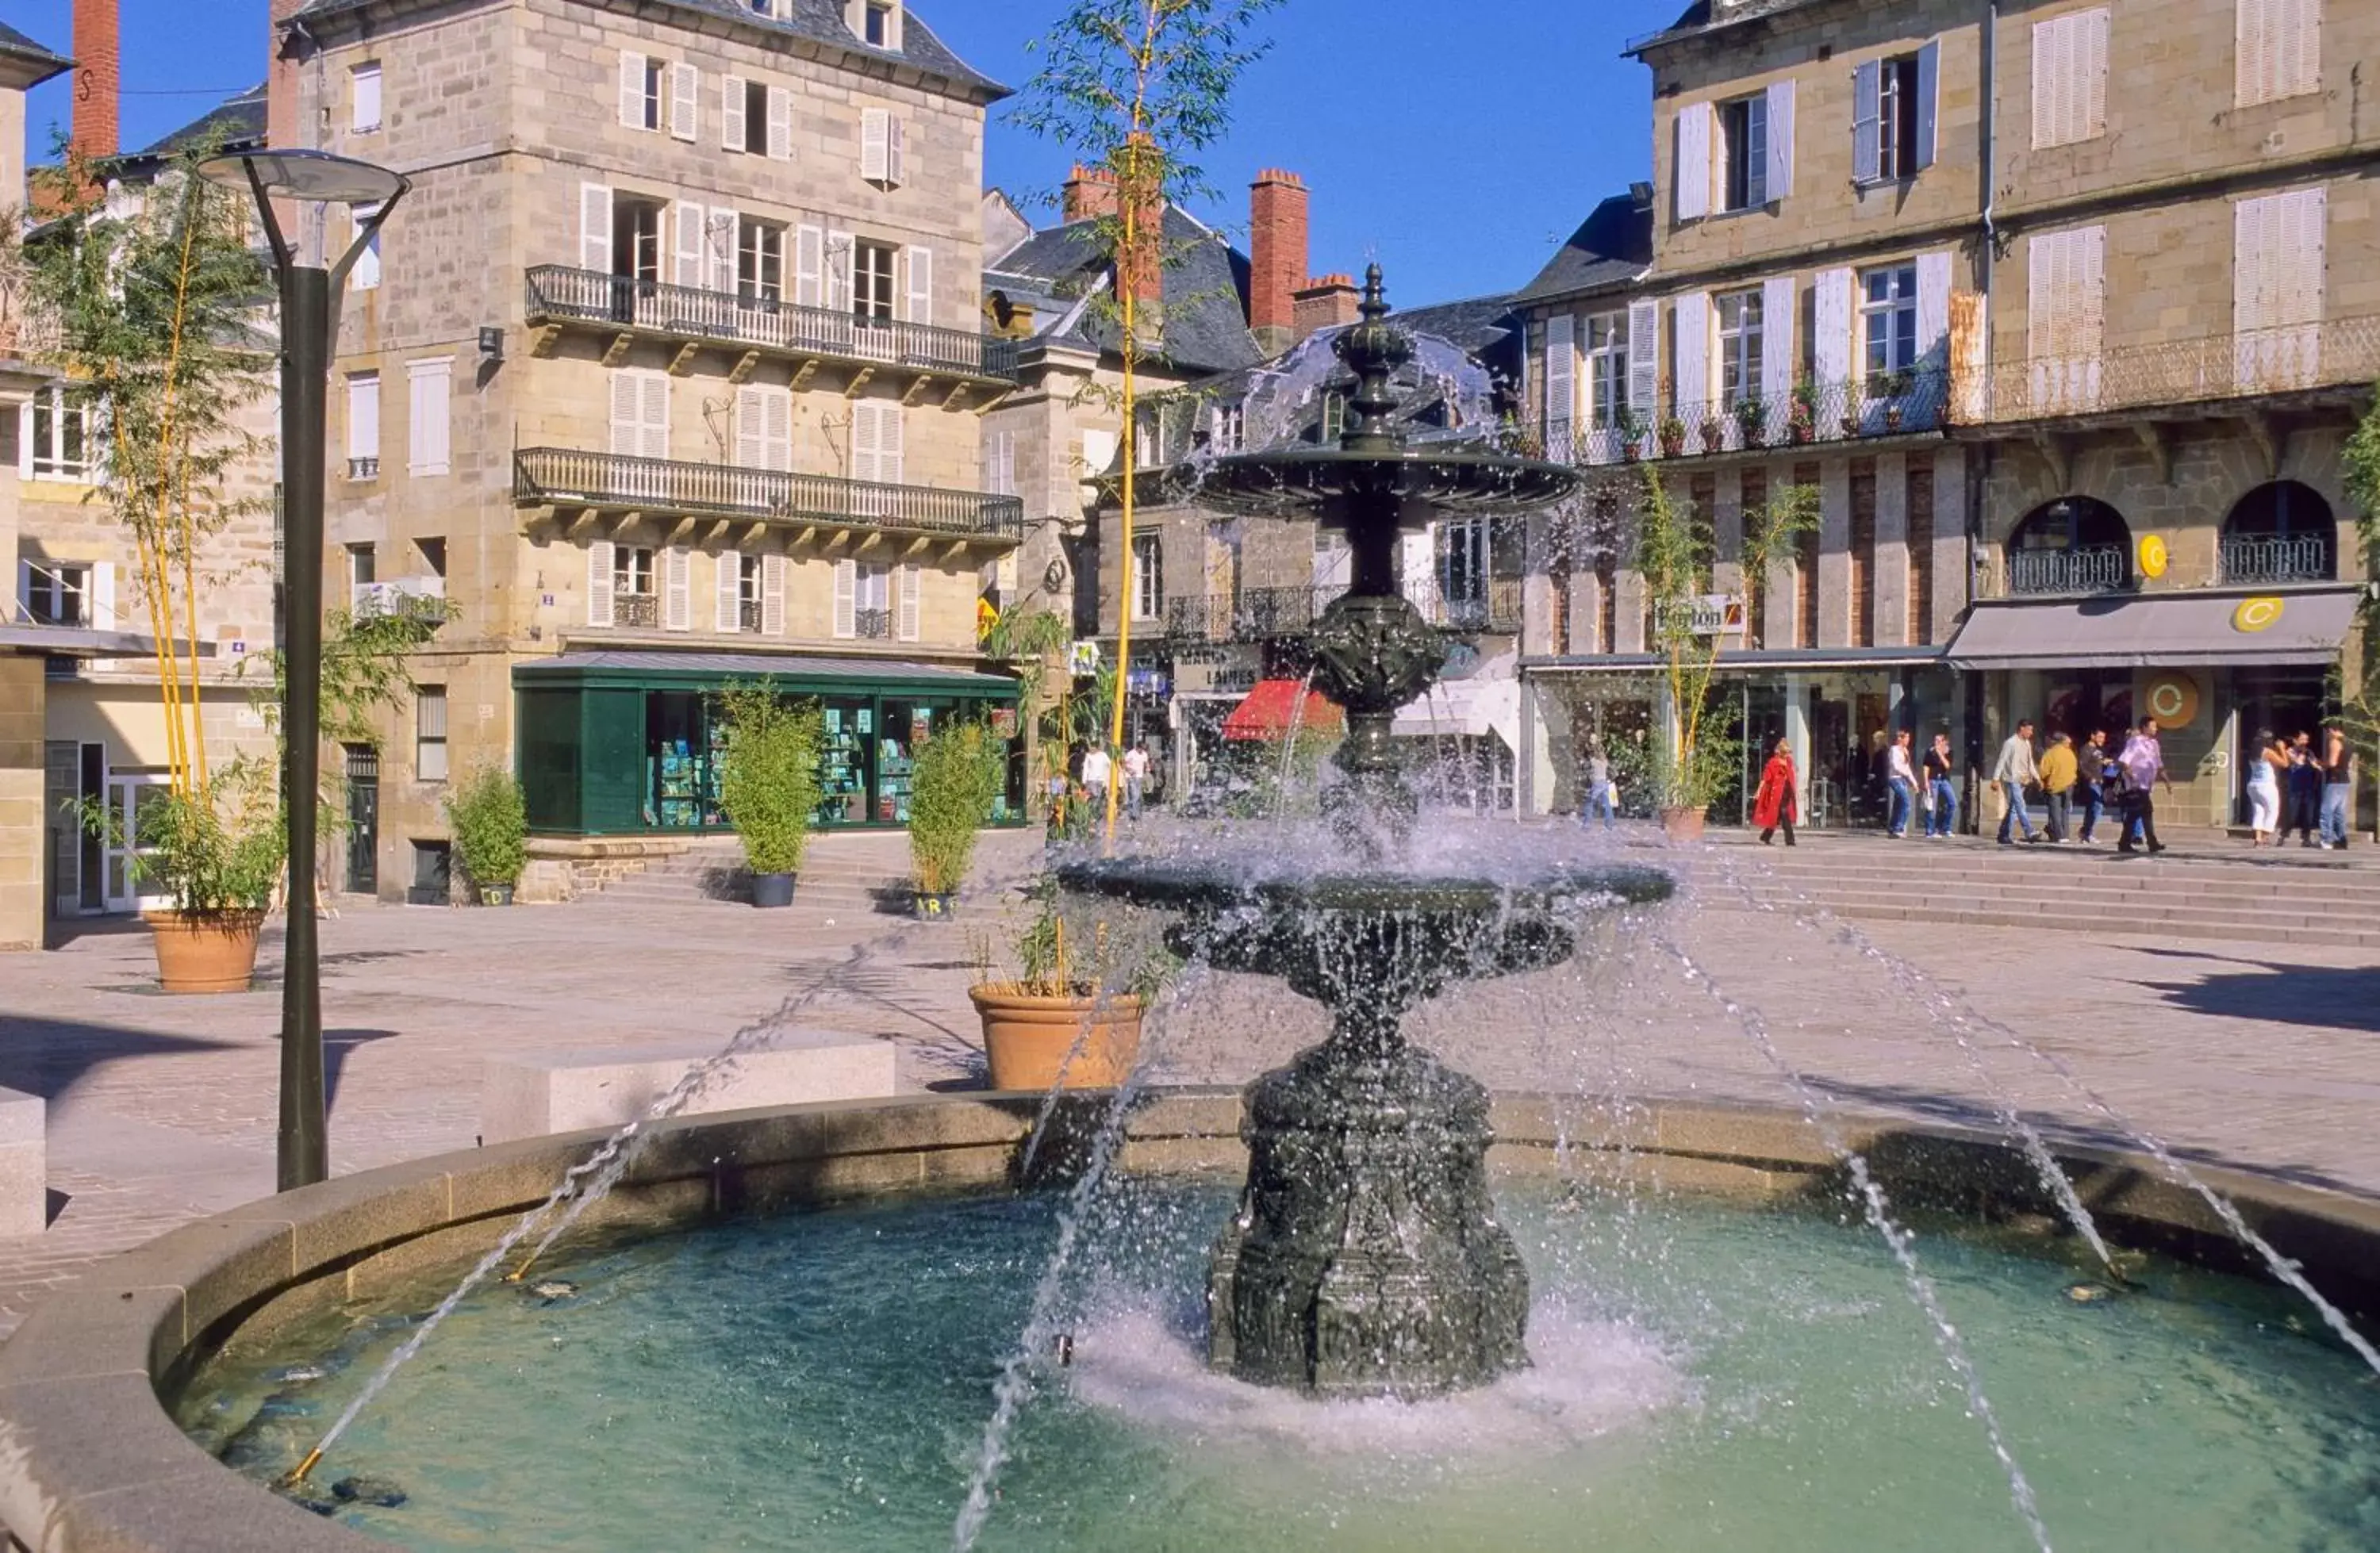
(1027, 1038)
(205, 953)
(1684, 824)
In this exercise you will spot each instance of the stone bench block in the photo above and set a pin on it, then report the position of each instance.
(24, 1164)
(565, 1091)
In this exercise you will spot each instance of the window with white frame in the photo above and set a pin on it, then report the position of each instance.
(880, 27)
(1744, 131)
(363, 567)
(363, 96)
(1148, 576)
(1739, 347)
(1896, 115)
(363, 425)
(1607, 369)
(1888, 324)
(871, 601)
(54, 592)
(644, 88)
(632, 572)
(2278, 49)
(1231, 428)
(1000, 463)
(429, 416)
(2069, 79)
(1462, 560)
(873, 266)
(1893, 116)
(761, 262)
(883, 148)
(1335, 416)
(364, 276)
(430, 734)
(57, 443)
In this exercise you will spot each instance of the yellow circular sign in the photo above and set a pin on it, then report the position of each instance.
(2154, 555)
(2257, 614)
(2172, 700)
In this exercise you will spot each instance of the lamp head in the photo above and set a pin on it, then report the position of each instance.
(309, 176)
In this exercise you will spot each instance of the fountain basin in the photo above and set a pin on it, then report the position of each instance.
(91, 1459)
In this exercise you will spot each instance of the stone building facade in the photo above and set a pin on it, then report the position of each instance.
(667, 371)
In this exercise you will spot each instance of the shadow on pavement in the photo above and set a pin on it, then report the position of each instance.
(2336, 997)
(49, 1057)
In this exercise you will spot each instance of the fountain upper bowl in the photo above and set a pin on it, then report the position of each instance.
(1334, 485)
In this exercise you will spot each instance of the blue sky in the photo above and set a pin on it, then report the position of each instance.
(1455, 140)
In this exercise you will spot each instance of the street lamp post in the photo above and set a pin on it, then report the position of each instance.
(302, 1145)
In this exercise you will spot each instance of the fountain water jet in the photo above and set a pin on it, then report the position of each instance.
(1366, 1259)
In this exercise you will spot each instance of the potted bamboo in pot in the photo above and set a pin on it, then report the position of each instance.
(490, 818)
(216, 851)
(958, 776)
(1059, 1017)
(769, 783)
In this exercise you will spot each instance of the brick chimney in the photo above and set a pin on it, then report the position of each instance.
(1326, 302)
(1145, 184)
(98, 78)
(1277, 257)
(1089, 194)
(280, 126)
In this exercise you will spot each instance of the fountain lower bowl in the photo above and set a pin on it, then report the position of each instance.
(1596, 1427)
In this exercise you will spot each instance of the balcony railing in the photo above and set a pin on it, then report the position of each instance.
(567, 476)
(872, 626)
(2092, 569)
(559, 294)
(637, 611)
(2279, 558)
(1252, 614)
(1494, 608)
(747, 614)
(1881, 405)
(2211, 367)
(400, 598)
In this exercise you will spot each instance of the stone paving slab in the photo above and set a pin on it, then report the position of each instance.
(162, 1110)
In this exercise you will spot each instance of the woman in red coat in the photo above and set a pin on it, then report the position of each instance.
(1773, 806)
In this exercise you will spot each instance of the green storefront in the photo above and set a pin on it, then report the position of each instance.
(626, 743)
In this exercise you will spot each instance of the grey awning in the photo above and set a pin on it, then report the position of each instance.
(71, 641)
(2136, 631)
(794, 670)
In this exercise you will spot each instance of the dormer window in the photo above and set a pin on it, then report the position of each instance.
(878, 22)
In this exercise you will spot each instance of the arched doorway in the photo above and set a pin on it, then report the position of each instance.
(2281, 531)
(2075, 545)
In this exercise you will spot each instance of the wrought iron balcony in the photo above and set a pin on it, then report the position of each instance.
(1494, 608)
(560, 294)
(2279, 558)
(637, 611)
(872, 626)
(2340, 353)
(747, 614)
(2092, 569)
(570, 478)
(400, 598)
(1252, 614)
(1881, 405)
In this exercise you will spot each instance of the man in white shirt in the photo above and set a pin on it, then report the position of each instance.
(2015, 772)
(1902, 777)
(1097, 769)
(1136, 778)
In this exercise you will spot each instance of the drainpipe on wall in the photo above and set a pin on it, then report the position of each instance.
(1980, 470)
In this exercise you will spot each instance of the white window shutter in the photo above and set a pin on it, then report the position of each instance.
(842, 256)
(888, 453)
(1561, 387)
(1831, 324)
(2092, 27)
(720, 258)
(728, 578)
(1929, 96)
(1690, 322)
(595, 227)
(777, 429)
(750, 427)
(921, 284)
(730, 113)
(780, 124)
(2297, 58)
(1934, 310)
(896, 152)
(1691, 172)
(428, 417)
(598, 583)
(906, 620)
(772, 595)
(846, 599)
(686, 101)
(1003, 464)
(864, 440)
(102, 596)
(809, 267)
(677, 589)
(1868, 123)
(875, 144)
(1778, 312)
(363, 416)
(652, 401)
(1644, 360)
(2050, 79)
(2252, 51)
(688, 244)
(627, 434)
(1780, 140)
(632, 90)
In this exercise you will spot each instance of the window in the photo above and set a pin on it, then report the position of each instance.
(2278, 244)
(58, 440)
(760, 262)
(1231, 428)
(636, 238)
(872, 269)
(1743, 128)
(54, 592)
(1888, 323)
(363, 89)
(748, 588)
(1739, 347)
(1335, 416)
(1893, 114)
(1607, 369)
(756, 119)
(1897, 148)
(363, 567)
(632, 571)
(871, 601)
(428, 416)
(365, 276)
(1000, 463)
(1148, 576)
(433, 555)
(2279, 50)
(1462, 560)
(363, 425)
(2069, 79)
(430, 734)
(876, 442)
(882, 147)
(642, 85)
(881, 26)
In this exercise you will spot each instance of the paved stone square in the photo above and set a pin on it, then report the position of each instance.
(2256, 1055)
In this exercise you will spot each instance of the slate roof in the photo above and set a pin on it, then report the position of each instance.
(1206, 284)
(18, 45)
(234, 123)
(1612, 246)
(818, 19)
(1705, 16)
(1478, 325)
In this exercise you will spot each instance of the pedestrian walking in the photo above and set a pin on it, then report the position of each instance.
(2337, 786)
(1900, 777)
(2090, 783)
(2144, 764)
(2016, 771)
(1775, 806)
(1602, 793)
(1097, 767)
(2302, 792)
(2060, 770)
(1941, 793)
(1136, 779)
(2264, 771)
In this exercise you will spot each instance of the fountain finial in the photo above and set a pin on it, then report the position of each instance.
(1373, 351)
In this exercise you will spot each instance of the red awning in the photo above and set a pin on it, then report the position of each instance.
(1273, 707)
